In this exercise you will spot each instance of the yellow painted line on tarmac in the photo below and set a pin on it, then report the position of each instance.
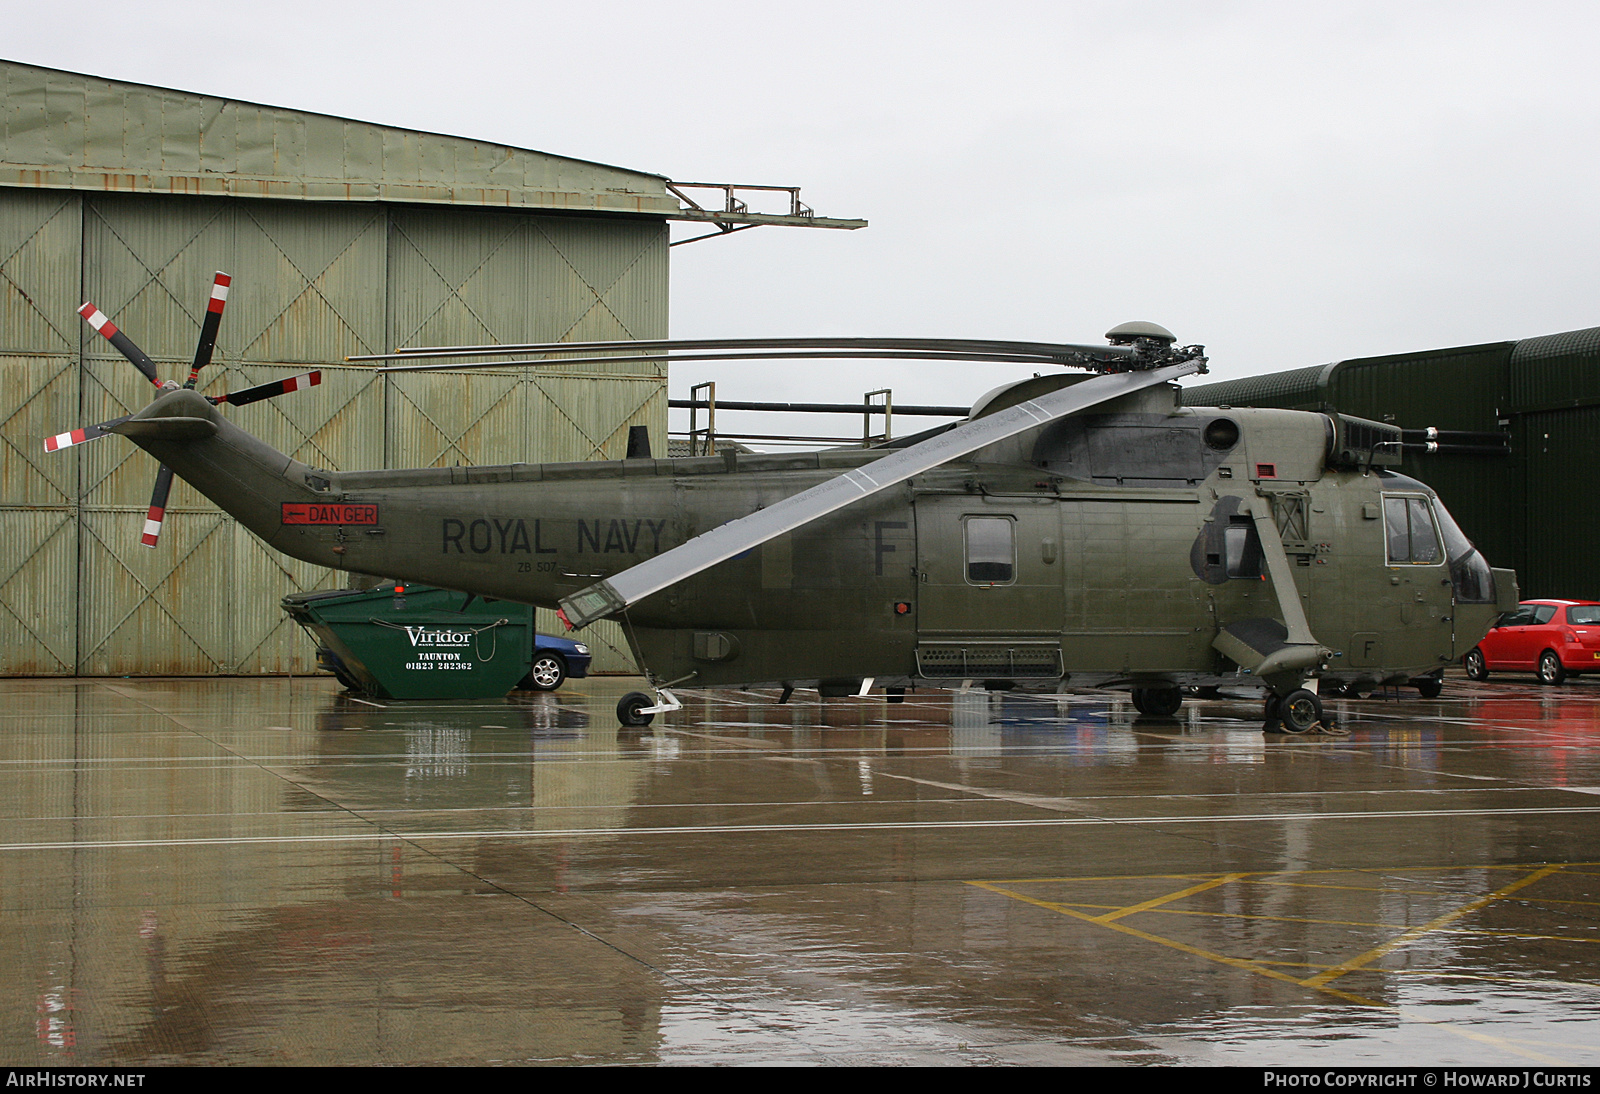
(1320, 982)
(1345, 888)
(1527, 936)
(1156, 902)
(1243, 964)
(1433, 924)
(1282, 919)
(1575, 868)
(1241, 915)
(1472, 932)
(1100, 877)
(1415, 892)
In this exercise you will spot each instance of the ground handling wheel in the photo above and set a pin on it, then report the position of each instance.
(1157, 702)
(1299, 711)
(630, 709)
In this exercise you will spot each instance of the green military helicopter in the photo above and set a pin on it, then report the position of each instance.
(1075, 528)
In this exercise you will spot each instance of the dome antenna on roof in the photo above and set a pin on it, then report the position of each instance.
(1127, 334)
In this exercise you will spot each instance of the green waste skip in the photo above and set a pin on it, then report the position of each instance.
(422, 642)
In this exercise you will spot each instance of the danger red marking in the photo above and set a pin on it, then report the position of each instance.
(295, 512)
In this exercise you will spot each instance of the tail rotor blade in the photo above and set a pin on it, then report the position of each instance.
(208, 328)
(268, 391)
(158, 507)
(124, 345)
(81, 436)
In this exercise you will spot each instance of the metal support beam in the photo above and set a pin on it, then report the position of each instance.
(867, 409)
(734, 214)
(710, 431)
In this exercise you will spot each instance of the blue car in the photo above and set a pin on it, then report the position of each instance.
(554, 660)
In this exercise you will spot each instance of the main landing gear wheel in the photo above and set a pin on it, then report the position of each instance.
(630, 709)
(547, 672)
(1159, 702)
(1551, 671)
(1429, 687)
(1477, 668)
(1297, 712)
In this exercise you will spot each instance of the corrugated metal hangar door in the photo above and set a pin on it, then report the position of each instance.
(313, 283)
(1555, 426)
(40, 249)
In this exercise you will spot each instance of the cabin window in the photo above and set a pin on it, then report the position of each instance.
(1241, 548)
(991, 551)
(1412, 537)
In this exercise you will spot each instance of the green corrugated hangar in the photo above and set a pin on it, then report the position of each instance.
(343, 238)
(1525, 506)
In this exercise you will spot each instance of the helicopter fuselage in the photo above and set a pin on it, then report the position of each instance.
(1112, 547)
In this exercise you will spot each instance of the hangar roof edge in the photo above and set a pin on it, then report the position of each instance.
(72, 130)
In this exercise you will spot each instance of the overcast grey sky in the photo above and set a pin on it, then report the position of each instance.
(1285, 183)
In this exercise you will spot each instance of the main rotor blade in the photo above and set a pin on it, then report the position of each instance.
(108, 330)
(157, 514)
(208, 327)
(1063, 353)
(269, 390)
(80, 436)
(790, 355)
(737, 536)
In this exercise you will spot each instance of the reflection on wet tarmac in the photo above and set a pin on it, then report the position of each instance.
(267, 871)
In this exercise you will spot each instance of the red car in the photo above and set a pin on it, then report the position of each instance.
(1553, 638)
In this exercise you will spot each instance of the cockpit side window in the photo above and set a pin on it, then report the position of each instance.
(1411, 535)
(1469, 573)
(1424, 537)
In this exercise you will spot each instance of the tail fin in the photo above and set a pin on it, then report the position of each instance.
(176, 426)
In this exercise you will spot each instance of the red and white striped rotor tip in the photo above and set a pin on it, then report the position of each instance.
(97, 319)
(152, 525)
(65, 440)
(219, 292)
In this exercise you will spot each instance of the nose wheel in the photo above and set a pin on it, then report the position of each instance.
(631, 710)
(636, 709)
